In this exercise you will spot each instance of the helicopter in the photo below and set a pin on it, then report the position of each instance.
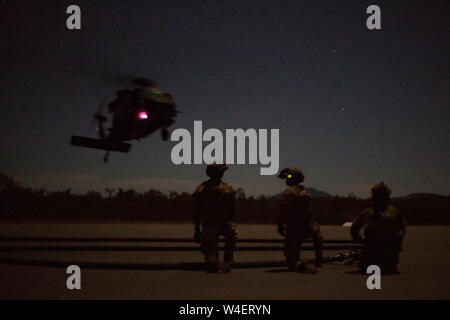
(136, 113)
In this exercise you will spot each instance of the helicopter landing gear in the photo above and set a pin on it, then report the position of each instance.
(164, 134)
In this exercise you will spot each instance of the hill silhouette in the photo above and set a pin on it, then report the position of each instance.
(315, 193)
(318, 193)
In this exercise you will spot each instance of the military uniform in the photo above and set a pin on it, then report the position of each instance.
(295, 221)
(214, 205)
(384, 229)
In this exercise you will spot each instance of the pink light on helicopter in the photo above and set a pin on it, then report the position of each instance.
(143, 115)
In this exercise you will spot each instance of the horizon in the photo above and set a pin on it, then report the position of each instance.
(166, 187)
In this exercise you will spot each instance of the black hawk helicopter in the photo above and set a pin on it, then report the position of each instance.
(137, 113)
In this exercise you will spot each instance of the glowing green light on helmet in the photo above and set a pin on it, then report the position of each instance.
(289, 176)
(153, 91)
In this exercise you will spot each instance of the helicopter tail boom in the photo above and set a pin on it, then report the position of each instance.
(100, 144)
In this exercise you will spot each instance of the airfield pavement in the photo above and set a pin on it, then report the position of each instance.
(29, 273)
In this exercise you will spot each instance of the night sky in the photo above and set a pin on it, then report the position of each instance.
(353, 106)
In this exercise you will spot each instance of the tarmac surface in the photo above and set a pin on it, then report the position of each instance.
(129, 263)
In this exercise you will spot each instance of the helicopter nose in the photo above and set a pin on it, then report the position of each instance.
(143, 115)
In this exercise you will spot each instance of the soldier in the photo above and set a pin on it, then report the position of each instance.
(214, 207)
(296, 223)
(384, 229)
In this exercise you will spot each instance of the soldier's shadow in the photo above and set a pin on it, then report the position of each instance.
(180, 266)
(185, 266)
(285, 270)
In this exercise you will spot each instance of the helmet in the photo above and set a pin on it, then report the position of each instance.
(292, 172)
(216, 170)
(381, 191)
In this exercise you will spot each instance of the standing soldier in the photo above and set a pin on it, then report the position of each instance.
(296, 223)
(384, 229)
(214, 207)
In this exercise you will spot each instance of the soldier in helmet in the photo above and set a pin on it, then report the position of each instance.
(384, 229)
(295, 221)
(214, 210)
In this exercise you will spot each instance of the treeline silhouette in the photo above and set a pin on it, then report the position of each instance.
(19, 203)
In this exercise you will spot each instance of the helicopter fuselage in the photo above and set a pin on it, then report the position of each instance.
(136, 114)
(135, 124)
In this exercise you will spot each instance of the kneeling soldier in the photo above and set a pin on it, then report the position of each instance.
(296, 222)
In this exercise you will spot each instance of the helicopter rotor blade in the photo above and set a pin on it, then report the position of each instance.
(90, 125)
(101, 107)
(98, 112)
